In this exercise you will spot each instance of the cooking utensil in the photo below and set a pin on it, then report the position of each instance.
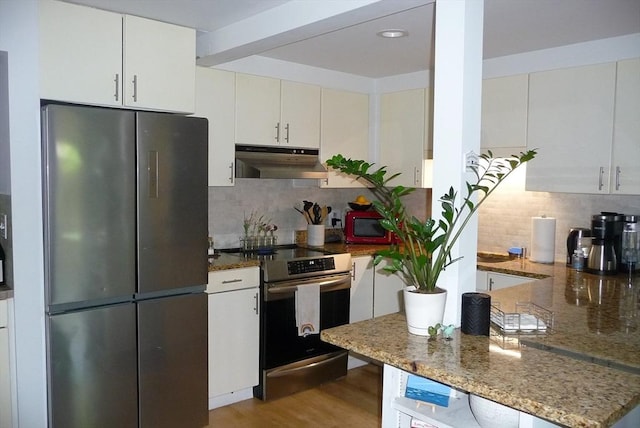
(316, 214)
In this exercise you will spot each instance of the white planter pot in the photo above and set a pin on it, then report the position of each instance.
(423, 310)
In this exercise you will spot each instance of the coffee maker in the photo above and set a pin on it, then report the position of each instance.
(602, 256)
(630, 245)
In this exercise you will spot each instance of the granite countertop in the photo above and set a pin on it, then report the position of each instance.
(584, 372)
(224, 261)
(560, 389)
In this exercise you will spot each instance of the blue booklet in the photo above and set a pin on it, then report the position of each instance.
(423, 389)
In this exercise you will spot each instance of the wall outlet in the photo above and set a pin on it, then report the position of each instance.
(336, 217)
(470, 161)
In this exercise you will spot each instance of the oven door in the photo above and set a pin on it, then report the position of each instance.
(280, 341)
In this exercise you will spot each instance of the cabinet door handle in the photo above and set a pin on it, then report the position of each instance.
(231, 281)
(618, 171)
(353, 271)
(278, 132)
(490, 284)
(231, 172)
(286, 128)
(117, 82)
(416, 175)
(255, 308)
(601, 178)
(135, 88)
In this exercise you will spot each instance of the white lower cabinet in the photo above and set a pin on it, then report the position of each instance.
(5, 376)
(489, 281)
(234, 329)
(361, 305)
(373, 292)
(387, 292)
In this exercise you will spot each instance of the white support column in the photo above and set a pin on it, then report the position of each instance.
(456, 130)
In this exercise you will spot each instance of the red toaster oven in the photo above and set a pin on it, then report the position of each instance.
(363, 227)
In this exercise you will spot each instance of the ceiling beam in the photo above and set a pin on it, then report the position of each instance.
(291, 22)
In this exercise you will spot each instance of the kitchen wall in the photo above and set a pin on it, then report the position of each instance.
(504, 220)
(275, 200)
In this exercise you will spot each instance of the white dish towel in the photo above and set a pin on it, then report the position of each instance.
(308, 309)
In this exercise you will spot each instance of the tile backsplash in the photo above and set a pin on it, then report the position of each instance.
(503, 221)
(275, 200)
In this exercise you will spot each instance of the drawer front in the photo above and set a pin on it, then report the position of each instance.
(233, 279)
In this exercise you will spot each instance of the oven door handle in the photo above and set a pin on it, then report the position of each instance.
(322, 284)
(327, 359)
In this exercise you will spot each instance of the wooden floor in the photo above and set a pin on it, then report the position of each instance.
(354, 402)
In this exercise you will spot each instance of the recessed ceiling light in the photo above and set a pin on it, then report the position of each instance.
(393, 34)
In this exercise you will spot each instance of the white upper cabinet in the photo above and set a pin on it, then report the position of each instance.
(91, 56)
(80, 54)
(257, 110)
(159, 65)
(504, 114)
(271, 112)
(345, 131)
(402, 135)
(300, 114)
(215, 100)
(625, 171)
(571, 123)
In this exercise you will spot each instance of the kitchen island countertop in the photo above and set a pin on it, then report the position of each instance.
(584, 373)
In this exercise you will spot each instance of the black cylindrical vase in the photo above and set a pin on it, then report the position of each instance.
(476, 314)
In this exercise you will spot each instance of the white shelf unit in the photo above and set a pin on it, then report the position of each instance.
(398, 411)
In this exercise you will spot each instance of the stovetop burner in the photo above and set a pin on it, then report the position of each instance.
(280, 252)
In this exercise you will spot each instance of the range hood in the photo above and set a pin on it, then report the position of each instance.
(278, 162)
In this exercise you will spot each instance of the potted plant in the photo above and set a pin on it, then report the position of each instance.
(426, 245)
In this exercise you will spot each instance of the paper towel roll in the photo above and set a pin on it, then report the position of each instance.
(543, 239)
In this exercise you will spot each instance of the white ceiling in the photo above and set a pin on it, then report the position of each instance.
(347, 42)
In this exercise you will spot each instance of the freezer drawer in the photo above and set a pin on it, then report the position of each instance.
(93, 368)
(172, 335)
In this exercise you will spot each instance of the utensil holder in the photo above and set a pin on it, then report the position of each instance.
(315, 235)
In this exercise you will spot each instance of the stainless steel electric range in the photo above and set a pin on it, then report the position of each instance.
(291, 361)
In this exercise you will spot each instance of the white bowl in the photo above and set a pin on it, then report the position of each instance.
(490, 414)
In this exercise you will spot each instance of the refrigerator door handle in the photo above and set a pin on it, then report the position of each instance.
(152, 168)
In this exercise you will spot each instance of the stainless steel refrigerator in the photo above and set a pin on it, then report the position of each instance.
(125, 209)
